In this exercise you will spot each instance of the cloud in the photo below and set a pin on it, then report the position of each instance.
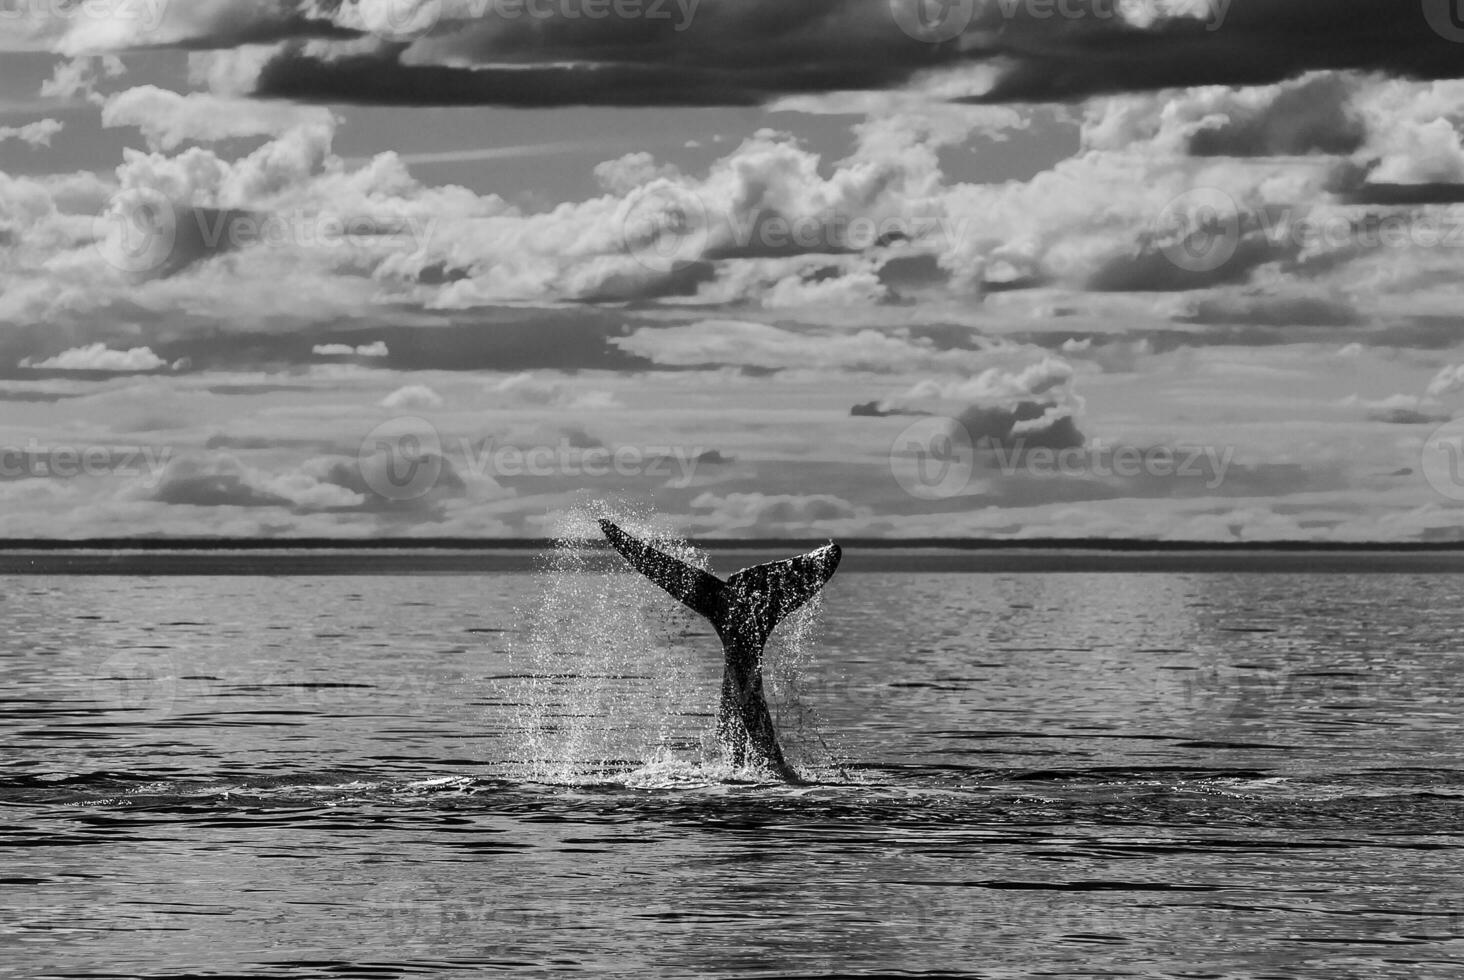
(1240, 43)
(1408, 416)
(374, 349)
(880, 409)
(220, 480)
(1315, 115)
(1050, 377)
(169, 119)
(1449, 380)
(33, 134)
(716, 52)
(413, 396)
(747, 52)
(78, 78)
(1404, 409)
(1028, 407)
(529, 389)
(1028, 425)
(98, 357)
(775, 515)
(762, 346)
(1299, 310)
(98, 29)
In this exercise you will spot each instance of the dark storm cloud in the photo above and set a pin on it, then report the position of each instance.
(280, 25)
(380, 78)
(684, 280)
(199, 484)
(201, 234)
(716, 52)
(1151, 267)
(744, 52)
(1255, 42)
(1349, 182)
(1027, 425)
(322, 485)
(879, 410)
(1408, 416)
(1404, 195)
(1274, 311)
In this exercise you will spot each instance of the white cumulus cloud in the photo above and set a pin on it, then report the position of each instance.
(99, 357)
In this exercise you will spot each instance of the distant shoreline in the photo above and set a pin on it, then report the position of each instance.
(162, 556)
(156, 544)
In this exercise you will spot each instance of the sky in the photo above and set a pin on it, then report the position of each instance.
(1160, 269)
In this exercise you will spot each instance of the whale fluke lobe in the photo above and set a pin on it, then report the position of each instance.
(788, 584)
(700, 591)
(744, 609)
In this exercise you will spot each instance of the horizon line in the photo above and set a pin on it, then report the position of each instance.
(163, 543)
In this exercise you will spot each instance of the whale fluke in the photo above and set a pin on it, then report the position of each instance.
(744, 610)
(698, 590)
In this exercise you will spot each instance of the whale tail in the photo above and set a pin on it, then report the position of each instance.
(758, 597)
(744, 609)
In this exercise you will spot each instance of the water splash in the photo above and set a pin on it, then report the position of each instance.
(792, 704)
(614, 681)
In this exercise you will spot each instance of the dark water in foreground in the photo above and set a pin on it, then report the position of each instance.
(1180, 775)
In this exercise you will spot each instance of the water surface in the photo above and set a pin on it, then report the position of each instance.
(1122, 774)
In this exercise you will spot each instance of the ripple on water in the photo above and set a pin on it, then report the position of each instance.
(1071, 775)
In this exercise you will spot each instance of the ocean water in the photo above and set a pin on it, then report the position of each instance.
(1162, 774)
